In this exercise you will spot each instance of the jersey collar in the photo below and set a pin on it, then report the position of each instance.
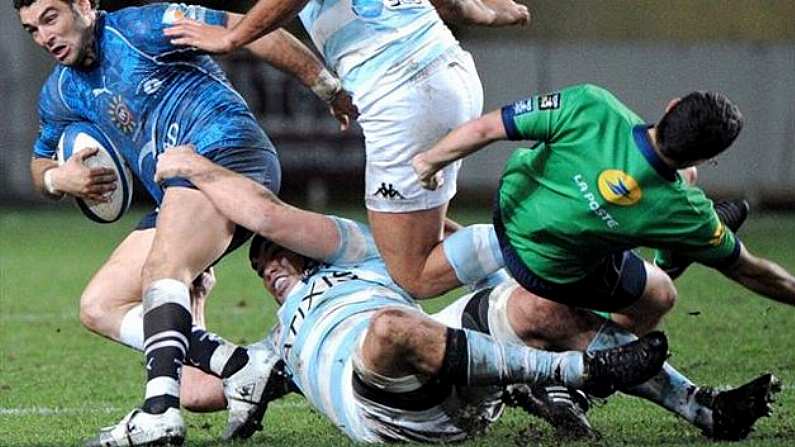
(641, 134)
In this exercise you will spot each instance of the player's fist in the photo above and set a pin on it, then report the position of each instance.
(427, 174)
(343, 109)
(178, 161)
(190, 33)
(508, 13)
(78, 180)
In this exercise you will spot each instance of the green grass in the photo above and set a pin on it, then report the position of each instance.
(59, 383)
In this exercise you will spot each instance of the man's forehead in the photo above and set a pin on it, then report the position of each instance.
(33, 11)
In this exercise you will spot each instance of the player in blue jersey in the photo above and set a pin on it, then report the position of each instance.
(337, 291)
(118, 72)
(412, 82)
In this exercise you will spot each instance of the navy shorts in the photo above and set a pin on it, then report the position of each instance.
(616, 283)
(260, 165)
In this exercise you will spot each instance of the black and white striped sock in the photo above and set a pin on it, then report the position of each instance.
(214, 355)
(167, 323)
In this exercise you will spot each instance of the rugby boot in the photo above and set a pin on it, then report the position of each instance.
(621, 367)
(139, 428)
(249, 391)
(735, 411)
(732, 213)
(562, 407)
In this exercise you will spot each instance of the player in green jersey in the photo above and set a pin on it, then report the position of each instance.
(601, 182)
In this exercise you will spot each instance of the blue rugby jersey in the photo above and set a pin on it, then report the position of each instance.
(370, 42)
(146, 95)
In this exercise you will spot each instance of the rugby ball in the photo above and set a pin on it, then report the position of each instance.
(79, 136)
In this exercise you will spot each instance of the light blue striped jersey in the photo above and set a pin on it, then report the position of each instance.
(368, 41)
(324, 317)
(146, 95)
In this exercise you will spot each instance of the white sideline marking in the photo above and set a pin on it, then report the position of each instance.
(73, 315)
(39, 317)
(69, 411)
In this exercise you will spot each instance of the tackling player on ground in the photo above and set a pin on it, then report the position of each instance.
(341, 251)
(118, 72)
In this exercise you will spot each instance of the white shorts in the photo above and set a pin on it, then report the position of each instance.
(401, 120)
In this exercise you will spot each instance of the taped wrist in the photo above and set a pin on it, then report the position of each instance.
(326, 86)
(49, 185)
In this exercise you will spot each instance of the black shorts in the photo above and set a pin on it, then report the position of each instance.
(616, 283)
(260, 165)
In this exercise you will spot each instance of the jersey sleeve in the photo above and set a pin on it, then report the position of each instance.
(544, 117)
(144, 26)
(356, 243)
(54, 116)
(699, 235)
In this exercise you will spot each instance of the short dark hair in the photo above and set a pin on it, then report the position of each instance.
(25, 3)
(700, 126)
(258, 243)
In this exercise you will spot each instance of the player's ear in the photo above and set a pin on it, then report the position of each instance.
(84, 6)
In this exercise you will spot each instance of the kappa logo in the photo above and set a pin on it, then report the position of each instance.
(619, 188)
(387, 191)
(549, 102)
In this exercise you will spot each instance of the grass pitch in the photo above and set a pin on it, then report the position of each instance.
(59, 383)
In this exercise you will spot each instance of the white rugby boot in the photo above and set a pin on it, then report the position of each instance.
(245, 394)
(139, 428)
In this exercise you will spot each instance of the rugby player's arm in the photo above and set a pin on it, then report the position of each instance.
(285, 52)
(482, 12)
(264, 17)
(462, 141)
(763, 277)
(72, 178)
(251, 205)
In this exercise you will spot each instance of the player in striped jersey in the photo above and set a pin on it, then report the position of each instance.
(411, 82)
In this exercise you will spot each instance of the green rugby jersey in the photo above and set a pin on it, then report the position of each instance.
(593, 185)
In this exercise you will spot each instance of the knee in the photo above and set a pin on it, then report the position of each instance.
(388, 327)
(93, 311)
(666, 297)
(539, 322)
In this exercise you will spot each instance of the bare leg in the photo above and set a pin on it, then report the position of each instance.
(189, 236)
(410, 246)
(402, 342)
(657, 300)
(116, 287)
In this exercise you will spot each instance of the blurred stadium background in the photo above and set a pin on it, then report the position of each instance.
(645, 51)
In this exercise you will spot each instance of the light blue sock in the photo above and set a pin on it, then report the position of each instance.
(669, 389)
(491, 280)
(473, 252)
(494, 363)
